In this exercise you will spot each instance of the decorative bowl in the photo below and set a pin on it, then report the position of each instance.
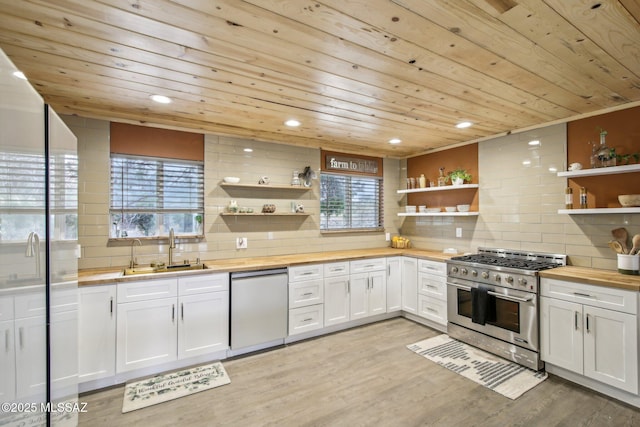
(629, 200)
(268, 208)
(433, 210)
(231, 179)
(463, 208)
(410, 209)
(450, 208)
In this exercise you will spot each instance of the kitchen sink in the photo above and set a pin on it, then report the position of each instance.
(163, 269)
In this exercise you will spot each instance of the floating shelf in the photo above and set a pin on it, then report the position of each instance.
(600, 211)
(612, 170)
(442, 188)
(266, 186)
(441, 214)
(265, 214)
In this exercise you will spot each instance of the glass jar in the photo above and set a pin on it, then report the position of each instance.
(605, 156)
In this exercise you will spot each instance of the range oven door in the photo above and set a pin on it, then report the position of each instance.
(516, 312)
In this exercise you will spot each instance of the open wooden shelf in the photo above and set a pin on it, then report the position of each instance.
(612, 170)
(442, 188)
(267, 186)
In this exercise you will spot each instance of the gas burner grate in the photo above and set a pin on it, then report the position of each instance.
(500, 261)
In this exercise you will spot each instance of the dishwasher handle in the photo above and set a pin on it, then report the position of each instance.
(270, 272)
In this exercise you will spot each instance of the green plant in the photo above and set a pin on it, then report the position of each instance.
(459, 173)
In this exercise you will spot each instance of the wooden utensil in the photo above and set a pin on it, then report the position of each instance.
(616, 246)
(635, 250)
(621, 235)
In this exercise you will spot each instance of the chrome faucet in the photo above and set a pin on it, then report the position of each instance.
(33, 250)
(172, 245)
(132, 261)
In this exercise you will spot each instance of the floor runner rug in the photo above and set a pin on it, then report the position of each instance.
(500, 375)
(172, 385)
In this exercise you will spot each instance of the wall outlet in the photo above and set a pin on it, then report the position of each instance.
(458, 231)
(241, 243)
(387, 237)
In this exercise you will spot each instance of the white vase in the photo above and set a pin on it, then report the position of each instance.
(457, 181)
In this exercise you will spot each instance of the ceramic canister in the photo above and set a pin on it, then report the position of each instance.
(629, 264)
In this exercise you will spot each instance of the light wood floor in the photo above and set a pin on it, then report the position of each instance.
(361, 377)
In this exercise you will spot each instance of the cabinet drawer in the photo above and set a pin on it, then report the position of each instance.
(147, 290)
(596, 296)
(364, 265)
(6, 308)
(432, 267)
(34, 303)
(336, 269)
(432, 309)
(305, 319)
(434, 286)
(306, 293)
(305, 272)
(203, 283)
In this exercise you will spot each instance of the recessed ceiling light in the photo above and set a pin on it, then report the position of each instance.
(292, 123)
(160, 99)
(248, 150)
(534, 142)
(395, 141)
(463, 125)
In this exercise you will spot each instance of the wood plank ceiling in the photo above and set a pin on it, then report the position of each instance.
(355, 73)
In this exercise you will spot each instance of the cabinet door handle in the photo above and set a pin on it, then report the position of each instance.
(348, 286)
(182, 310)
(21, 336)
(173, 312)
(575, 320)
(388, 271)
(111, 306)
(580, 294)
(588, 324)
(6, 340)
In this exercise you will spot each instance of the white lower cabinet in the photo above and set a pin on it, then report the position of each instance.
(204, 324)
(336, 299)
(394, 283)
(7, 351)
(578, 334)
(97, 332)
(163, 320)
(368, 288)
(306, 298)
(432, 291)
(409, 281)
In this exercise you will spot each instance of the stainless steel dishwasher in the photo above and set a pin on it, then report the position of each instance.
(258, 307)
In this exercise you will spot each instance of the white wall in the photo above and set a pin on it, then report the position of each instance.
(519, 204)
(223, 157)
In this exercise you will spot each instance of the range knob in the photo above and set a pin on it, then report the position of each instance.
(509, 279)
(454, 269)
(522, 281)
(474, 273)
(464, 271)
(497, 278)
(485, 275)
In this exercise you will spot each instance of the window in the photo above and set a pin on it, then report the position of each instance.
(22, 195)
(350, 202)
(149, 196)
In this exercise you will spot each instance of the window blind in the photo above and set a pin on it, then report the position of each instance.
(350, 202)
(147, 192)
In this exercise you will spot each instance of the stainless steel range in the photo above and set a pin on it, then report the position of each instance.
(492, 301)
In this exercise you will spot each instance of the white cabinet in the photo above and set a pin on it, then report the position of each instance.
(7, 351)
(204, 314)
(409, 285)
(306, 298)
(97, 332)
(394, 283)
(368, 288)
(336, 293)
(163, 320)
(432, 291)
(147, 333)
(590, 330)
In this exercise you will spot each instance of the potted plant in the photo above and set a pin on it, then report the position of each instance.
(459, 176)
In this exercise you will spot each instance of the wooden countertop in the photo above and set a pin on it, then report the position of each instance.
(111, 275)
(592, 276)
